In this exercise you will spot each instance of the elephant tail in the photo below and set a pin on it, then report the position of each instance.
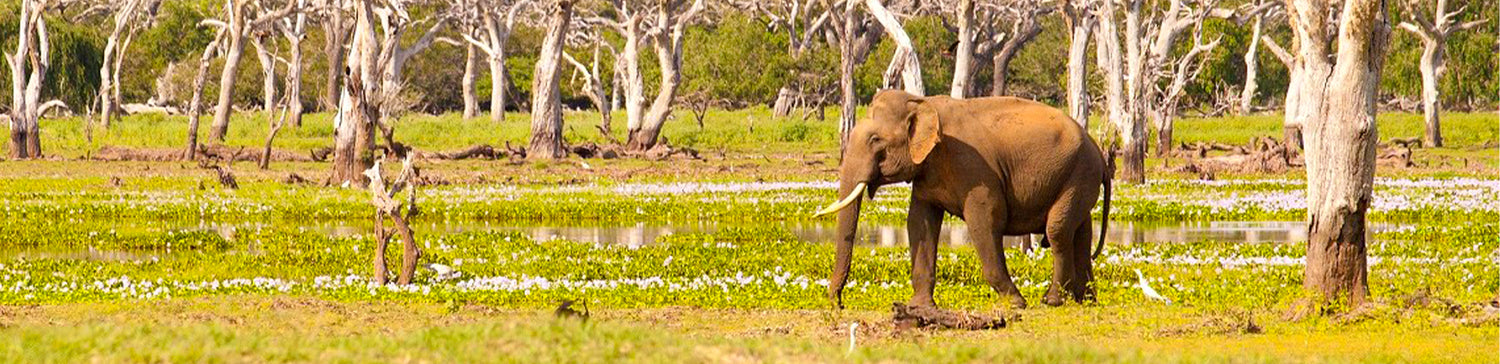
(1109, 175)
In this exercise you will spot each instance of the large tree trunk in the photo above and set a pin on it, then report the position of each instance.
(1432, 64)
(471, 74)
(26, 82)
(546, 103)
(1337, 108)
(963, 56)
(354, 126)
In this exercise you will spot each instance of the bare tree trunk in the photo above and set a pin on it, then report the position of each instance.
(471, 73)
(1252, 68)
(497, 88)
(546, 103)
(106, 79)
(267, 58)
(1001, 75)
(905, 60)
(1433, 27)
(294, 79)
(1110, 62)
(1432, 62)
(334, 36)
(1337, 106)
(963, 56)
(354, 126)
(1291, 123)
(1081, 25)
(225, 107)
(668, 43)
(195, 107)
(32, 48)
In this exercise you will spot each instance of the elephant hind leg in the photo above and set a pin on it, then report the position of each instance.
(1072, 270)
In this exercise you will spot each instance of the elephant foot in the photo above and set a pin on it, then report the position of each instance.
(1054, 297)
(1017, 301)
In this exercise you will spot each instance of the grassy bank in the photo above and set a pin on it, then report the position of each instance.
(751, 130)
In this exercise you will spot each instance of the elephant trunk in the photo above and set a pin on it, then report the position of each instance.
(853, 194)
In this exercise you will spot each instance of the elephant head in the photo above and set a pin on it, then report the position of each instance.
(888, 146)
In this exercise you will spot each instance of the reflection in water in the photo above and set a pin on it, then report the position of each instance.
(953, 233)
(641, 234)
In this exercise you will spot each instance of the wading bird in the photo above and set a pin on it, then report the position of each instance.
(1150, 292)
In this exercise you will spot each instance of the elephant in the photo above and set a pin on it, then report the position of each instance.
(1004, 165)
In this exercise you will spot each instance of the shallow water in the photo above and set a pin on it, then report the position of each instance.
(641, 234)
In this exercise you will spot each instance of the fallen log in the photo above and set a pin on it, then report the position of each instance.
(924, 317)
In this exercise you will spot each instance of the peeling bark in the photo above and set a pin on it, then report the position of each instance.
(546, 102)
(1337, 108)
(28, 70)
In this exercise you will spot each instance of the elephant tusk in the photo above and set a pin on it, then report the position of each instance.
(858, 191)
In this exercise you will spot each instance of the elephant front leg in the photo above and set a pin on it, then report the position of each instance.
(985, 233)
(924, 222)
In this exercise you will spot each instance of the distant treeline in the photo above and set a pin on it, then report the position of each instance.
(733, 61)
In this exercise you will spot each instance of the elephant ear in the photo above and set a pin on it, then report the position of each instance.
(925, 128)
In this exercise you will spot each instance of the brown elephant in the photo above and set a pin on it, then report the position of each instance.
(1004, 165)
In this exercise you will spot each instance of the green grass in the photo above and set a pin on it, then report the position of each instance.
(294, 329)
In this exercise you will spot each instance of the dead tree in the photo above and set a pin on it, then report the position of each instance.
(1291, 126)
(978, 24)
(1337, 108)
(130, 17)
(354, 125)
(546, 97)
(662, 26)
(471, 78)
(855, 36)
(273, 126)
(489, 24)
(904, 62)
(294, 29)
(593, 84)
(336, 30)
(1148, 50)
(1080, 20)
(28, 70)
(373, 82)
(1025, 24)
(1259, 12)
(242, 18)
(195, 106)
(1433, 27)
(387, 207)
(802, 21)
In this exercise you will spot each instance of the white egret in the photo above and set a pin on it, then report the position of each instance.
(1150, 292)
(853, 328)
